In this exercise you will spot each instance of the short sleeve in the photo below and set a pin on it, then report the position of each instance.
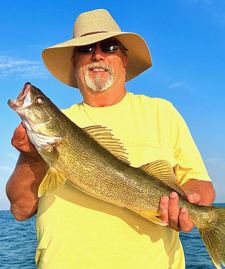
(189, 163)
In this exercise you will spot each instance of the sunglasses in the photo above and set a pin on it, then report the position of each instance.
(107, 46)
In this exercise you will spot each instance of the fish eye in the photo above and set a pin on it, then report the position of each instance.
(39, 100)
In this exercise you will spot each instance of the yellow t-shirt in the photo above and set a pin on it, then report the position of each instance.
(75, 230)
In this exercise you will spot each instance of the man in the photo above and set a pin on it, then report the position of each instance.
(75, 230)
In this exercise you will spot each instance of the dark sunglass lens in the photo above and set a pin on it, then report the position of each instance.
(86, 49)
(109, 45)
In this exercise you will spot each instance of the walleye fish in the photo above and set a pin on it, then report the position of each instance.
(95, 162)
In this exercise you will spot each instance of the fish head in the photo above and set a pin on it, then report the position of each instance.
(37, 112)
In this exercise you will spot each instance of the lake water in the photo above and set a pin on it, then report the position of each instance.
(18, 245)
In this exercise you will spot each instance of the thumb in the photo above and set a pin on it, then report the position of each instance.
(193, 197)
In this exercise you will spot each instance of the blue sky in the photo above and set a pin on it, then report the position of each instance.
(186, 39)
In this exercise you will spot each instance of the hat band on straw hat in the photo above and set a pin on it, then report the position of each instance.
(93, 33)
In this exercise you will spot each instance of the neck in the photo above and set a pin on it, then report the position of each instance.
(108, 97)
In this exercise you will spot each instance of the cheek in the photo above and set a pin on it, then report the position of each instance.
(79, 65)
(122, 63)
(79, 72)
(120, 68)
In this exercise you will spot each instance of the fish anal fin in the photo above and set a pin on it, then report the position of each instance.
(105, 138)
(152, 216)
(163, 171)
(52, 181)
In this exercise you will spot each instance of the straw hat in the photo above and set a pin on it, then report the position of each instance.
(91, 27)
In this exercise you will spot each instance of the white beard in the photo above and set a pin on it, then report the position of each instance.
(98, 84)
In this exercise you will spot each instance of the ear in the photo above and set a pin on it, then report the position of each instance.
(125, 61)
(73, 61)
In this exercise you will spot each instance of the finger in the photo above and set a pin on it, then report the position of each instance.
(21, 141)
(193, 198)
(173, 211)
(19, 134)
(163, 208)
(186, 225)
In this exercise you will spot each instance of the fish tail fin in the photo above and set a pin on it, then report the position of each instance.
(52, 181)
(213, 234)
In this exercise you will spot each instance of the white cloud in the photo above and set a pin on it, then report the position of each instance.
(12, 156)
(215, 161)
(6, 168)
(212, 160)
(176, 85)
(21, 68)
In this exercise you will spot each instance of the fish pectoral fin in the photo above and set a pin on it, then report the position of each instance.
(105, 138)
(152, 216)
(41, 141)
(163, 171)
(52, 181)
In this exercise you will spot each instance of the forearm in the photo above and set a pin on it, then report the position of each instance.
(203, 188)
(22, 187)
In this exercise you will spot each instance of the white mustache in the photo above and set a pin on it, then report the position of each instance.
(104, 66)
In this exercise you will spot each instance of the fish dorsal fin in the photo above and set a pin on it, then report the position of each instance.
(163, 171)
(52, 181)
(105, 138)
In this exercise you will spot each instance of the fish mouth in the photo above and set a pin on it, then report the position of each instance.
(24, 91)
(18, 103)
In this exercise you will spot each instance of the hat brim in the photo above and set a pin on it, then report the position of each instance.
(58, 58)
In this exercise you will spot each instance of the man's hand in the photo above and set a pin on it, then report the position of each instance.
(177, 219)
(21, 141)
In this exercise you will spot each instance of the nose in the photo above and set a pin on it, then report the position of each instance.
(98, 54)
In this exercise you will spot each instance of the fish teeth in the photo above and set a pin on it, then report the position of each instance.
(27, 100)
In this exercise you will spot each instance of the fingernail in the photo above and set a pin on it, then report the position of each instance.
(191, 198)
(173, 195)
(183, 210)
(164, 199)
